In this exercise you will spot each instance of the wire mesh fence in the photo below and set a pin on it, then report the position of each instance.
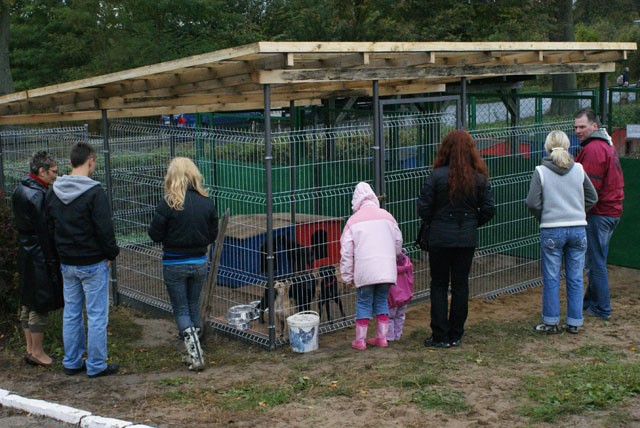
(314, 173)
(18, 145)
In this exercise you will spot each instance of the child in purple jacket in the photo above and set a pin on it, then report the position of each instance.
(399, 296)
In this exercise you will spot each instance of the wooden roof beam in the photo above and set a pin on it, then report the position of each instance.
(299, 76)
(412, 59)
(519, 58)
(468, 59)
(143, 112)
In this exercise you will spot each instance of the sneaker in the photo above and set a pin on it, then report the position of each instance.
(588, 312)
(547, 328)
(573, 329)
(455, 343)
(111, 369)
(430, 343)
(71, 372)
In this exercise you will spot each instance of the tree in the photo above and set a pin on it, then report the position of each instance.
(6, 80)
(562, 31)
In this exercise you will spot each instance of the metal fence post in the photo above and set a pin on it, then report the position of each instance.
(1, 165)
(378, 147)
(107, 174)
(268, 159)
(462, 121)
(602, 108)
(293, 163)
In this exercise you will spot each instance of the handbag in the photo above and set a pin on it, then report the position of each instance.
(422, 240)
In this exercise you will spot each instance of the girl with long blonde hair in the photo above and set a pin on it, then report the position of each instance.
(185, 222)
(182, 174)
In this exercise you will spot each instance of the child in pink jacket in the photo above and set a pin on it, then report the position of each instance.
(369, 244)
(399, 296)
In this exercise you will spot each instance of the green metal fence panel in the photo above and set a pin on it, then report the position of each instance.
(623, 249)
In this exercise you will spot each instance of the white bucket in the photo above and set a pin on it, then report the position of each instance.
(303, 331)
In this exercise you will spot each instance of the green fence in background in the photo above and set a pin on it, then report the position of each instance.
(623, 250)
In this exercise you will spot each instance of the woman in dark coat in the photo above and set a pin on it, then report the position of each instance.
(455, 200)
(185, 222)
(39, 270)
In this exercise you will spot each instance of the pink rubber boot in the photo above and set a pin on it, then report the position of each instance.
(383, 329)
(361, 334)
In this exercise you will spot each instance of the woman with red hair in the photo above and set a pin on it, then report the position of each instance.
(454, 201)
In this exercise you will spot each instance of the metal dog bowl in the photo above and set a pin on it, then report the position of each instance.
(240, 316)
(239, 324)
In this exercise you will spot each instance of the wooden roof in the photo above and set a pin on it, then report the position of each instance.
(304, 72)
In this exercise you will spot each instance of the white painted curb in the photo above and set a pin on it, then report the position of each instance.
(67, 414)
(100, 422)
(43, 408)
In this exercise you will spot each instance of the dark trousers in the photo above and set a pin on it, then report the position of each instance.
(449, 265)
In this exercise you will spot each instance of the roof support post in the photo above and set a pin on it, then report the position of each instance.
(293, 162)
(1, 165)
(462, 118)
(378, 145)
(107, 177)
(602, 108)
(268, 169)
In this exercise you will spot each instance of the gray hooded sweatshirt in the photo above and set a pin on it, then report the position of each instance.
(69, 187)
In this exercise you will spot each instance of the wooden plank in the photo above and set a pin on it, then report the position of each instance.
(303, 47)
(468, 59)
(293, 76)
(26, 119)
(206, 296)
(346, 61)
(410, 59)
(146, 71)
(521, 58)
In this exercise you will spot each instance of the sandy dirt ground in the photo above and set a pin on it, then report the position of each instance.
(493, 392)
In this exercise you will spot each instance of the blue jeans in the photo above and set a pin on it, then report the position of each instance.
(557, 243)
(184, 284)
(372, 300)
(85, 285)
(599, 231)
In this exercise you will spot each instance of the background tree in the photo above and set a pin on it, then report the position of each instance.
(6, 81)
(562, 31)
(54, 41)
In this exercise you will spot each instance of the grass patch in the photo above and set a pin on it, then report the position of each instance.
(497, 343)
(445, 400)
(572, 389)
(252, 396)
(420, 381)
(599, 353)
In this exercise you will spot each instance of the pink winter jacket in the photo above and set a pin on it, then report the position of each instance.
(370, 242)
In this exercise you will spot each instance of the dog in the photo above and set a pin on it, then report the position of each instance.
(328, 284)
(283, 307)
(303, 284)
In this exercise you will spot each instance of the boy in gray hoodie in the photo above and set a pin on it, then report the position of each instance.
(79, 220)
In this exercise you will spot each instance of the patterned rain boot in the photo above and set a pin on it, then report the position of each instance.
(192, 343)
(383, 330)
(361, 334)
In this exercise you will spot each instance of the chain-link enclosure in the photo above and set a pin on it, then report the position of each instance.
(314, 172)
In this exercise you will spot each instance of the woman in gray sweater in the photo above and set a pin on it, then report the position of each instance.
(559, 196)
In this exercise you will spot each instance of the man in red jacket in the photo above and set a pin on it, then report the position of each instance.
(601, 163)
